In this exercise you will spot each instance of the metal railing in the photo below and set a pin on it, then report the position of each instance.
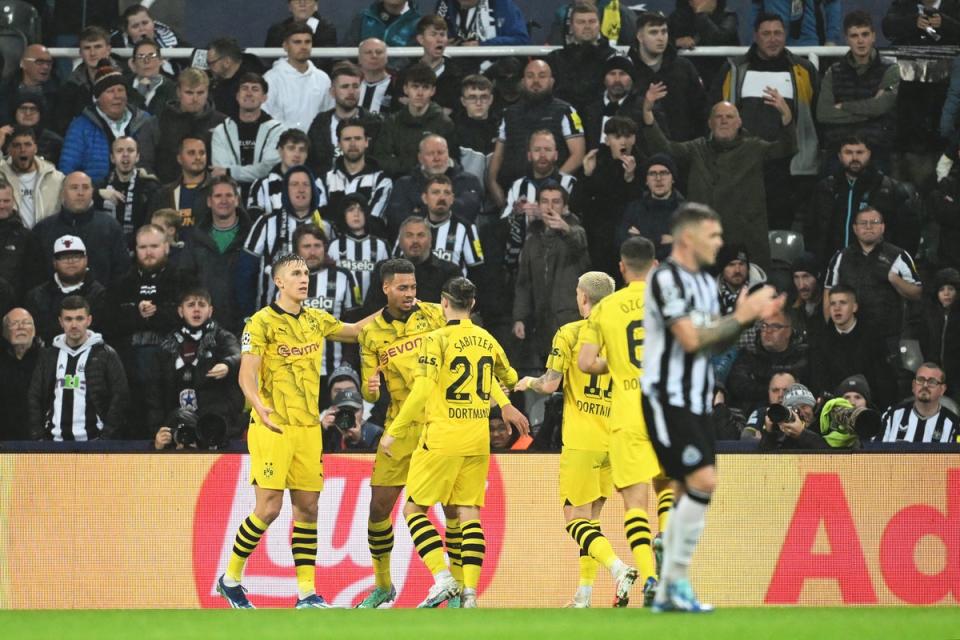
(812, 53)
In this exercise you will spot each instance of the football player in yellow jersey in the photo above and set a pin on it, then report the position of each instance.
(585, 481)
(616, 327)
(390, 346)
(282, 351)
(459, 368)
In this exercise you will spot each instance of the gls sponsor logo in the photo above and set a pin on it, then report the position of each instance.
(344, 569)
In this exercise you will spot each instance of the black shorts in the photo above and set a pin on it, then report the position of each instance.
(683, 440)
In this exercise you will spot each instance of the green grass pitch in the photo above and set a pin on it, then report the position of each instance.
(501, 624)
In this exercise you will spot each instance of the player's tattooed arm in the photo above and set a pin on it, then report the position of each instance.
(545, 384)
(696, 333)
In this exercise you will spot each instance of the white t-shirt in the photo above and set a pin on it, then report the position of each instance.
(28, 184)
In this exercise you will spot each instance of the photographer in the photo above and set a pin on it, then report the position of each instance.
(793, 423)
(196, 367)
(345, 419)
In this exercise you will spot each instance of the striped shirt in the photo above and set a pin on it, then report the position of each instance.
(272, 235)
(670, 374)
(375, 97)
(359, 256)
(73, 418)
(332, 290)
(455, 241)
(903, 424)
(371, 183)
(267, 193)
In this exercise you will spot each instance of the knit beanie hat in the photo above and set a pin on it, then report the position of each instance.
(107, 76)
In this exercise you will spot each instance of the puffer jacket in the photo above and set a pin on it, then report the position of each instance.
(86, 147)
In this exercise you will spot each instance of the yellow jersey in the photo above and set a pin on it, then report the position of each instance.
(394, 345)
(586, 397)
(459, 368)
(291, 351)
(616, 326)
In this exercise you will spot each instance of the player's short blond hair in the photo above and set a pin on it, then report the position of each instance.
(596, 285)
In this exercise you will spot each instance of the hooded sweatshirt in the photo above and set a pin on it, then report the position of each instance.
(296, 98)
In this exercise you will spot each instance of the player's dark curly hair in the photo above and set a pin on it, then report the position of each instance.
(460, 293)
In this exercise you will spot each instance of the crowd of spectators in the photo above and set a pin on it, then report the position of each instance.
(143, 201)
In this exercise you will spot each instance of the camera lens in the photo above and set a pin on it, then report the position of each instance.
(185, 435)
(778, 413)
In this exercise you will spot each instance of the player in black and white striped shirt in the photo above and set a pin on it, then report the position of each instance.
(266, 194)
(357, 250)
(329, 288)
(683, 329)
(922, 418)
(353, 172)
(454, 240)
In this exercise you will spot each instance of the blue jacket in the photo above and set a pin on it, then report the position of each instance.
(509, 23)
(86, 146)
(399, 33)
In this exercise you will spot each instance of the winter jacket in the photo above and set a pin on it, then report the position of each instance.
(728, 176)
(593, 117)
(21, 260)
(323, 152)
(226, 149)
(86, 147)
(189, 385)
(296, 98)
(836, 356)
(46, 192)
(578, 69)
(162, 288)
(504, 25)
(168, 197)
(940, 342)
(750, 374)
(75, 95)
(370, 23)
(763, 120)
(944, 207)
(106, 387)
(145, 186)
(524, 118)
(720, 28)
(160, 139)
(405, 199)
(550, 265)
(809, 438)
(837, 201)
(479, 135)
(398, 143)
(102, 235)
(900, 24)
(685, 105)
(16, 375)
(156, 100)
(864, 112)
(216, 270)
(599, 200)
(651, 217)
(43, 303)
(223, 91)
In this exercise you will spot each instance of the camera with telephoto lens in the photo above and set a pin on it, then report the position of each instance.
(779, 414)
(204, 431)
(344, 419)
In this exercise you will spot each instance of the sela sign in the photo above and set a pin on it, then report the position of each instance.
(823, 505)
(344, 568)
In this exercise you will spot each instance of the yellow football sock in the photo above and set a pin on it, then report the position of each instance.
(380, 541)
(453, 538)
(637, 527)
(472, 551)
(588, 569)
(427, 542)
(248, 536)
(591, 540)
(303, 544)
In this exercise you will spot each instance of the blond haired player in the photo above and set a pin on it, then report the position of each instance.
(282, 352)
(390, 346)
(616, 325)
(585, 481)
(457, 377)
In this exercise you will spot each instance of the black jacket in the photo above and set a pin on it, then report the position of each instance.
(216, 270)
(651, 217)
(325, 35)
(405, 200)
(106, 388)
(160, 138)
(593, 114)
(166, 198)
(944, 207)
(685, 105)
(940, 342)
(21, 261)
(835, 357)
(479, 135)
(16, 375)
(107, 254)
(717, 29)
(900, 24)
(144, 188)
(578, 70)
(43, 303)
(172, 388)
(162, 288)
(322, 152)
(223, 92)
(431, 274)
(750, 373)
